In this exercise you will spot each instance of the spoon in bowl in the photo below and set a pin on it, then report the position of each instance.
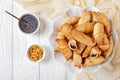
(25, 23)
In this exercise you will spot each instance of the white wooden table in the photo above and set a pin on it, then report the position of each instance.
(14, 64)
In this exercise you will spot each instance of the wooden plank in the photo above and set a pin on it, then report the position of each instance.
(5, 41)
(49, 69)
(23, 68)
(69, 74)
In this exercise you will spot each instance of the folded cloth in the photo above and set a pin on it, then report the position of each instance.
(110, 8)
(50, 8)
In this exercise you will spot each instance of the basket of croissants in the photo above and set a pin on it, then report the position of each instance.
(86, 40)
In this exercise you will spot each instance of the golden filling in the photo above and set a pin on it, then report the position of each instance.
(35, 53)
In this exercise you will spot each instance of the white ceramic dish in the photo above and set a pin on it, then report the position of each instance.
(44, 53)
(37, 26)
(76, 11)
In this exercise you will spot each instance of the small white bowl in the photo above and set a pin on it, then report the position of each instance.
(44, 53)
(37, 26)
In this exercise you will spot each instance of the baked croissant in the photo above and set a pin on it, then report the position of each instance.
(98, 33)
(85, 27)
(69, 37)
(99, 17)
(98, 28)
(82, 38)
(62, 43)
(105, 43)
(109, 51)
(86, 53)
(66, 52)
(94, 17)
(62, 47)
(71, 20)
(90, 61)
(86, 17)
(100, 37)
(77, 59)
(80, 48)
(60, 36)
(66, 29)
(103, 19)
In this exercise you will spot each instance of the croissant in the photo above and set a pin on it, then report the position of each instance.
(66, 29)
(80, 48)
(60, 36)
(71, 20)
(109, 51)
(105, 43)
(95, 52)
(82, 38)
(94, 17)
(102, 41)
(77, 59)
(99, 17)
(69, 37)
(86, 53)
(62, 47)
(98, 33)
(103, 19)
(62, 43)
(85, 27)
(67, 53)
(86, 17)
(90, 61)
(98, 28)
(100, 37)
